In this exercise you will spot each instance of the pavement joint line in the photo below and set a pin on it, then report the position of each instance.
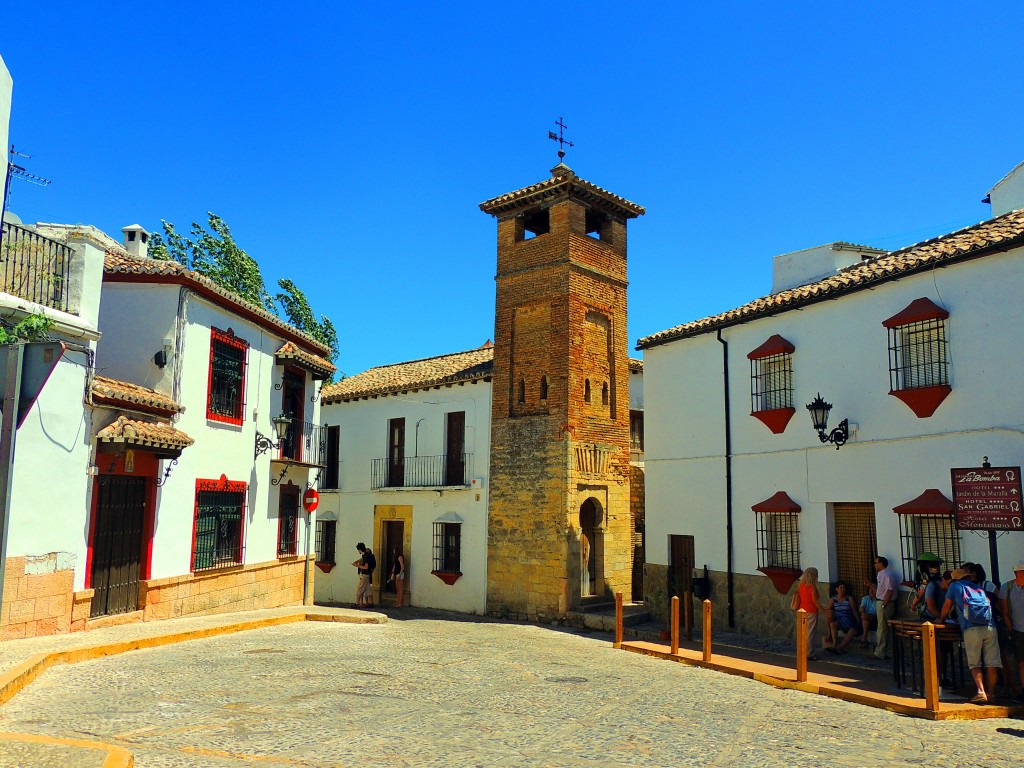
(117, 757)
(824, 689)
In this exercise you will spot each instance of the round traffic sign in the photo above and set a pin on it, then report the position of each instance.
(311, 500)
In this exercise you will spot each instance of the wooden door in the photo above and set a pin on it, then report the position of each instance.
(396, 453)
(455, 450)
(680, 565)
(117, 545)
(856, 545)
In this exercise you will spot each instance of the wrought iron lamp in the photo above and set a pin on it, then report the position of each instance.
(281, 424)
(819, 411)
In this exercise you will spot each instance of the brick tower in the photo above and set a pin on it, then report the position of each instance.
(559, 526)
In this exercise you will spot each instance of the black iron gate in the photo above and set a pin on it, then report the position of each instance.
(117, 544)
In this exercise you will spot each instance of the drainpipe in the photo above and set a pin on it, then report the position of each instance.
(730, 582)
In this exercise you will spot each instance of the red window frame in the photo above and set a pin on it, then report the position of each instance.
(289, 548)
(228, 486)
(227, 338)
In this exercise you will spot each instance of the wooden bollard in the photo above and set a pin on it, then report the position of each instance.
(618, 620)
(674, 629)
(801, 646)
(706, 639)
(931, 672)
(688, 616)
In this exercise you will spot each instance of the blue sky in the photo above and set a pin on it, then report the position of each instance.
(349, 144)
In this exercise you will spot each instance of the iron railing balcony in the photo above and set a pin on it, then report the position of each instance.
(304, 443)
(34, 267)
(444, 471)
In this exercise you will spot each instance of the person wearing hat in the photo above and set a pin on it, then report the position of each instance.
(981, 642)
(1011, 601)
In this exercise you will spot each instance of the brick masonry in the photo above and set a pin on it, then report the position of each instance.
(560, 330)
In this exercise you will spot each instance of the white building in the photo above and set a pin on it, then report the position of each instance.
(917, 349)
(410, 476)
(166, 490)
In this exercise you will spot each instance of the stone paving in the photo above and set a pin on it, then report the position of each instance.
(428, 691)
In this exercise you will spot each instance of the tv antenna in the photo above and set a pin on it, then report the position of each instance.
(560, 138)
(15, 171)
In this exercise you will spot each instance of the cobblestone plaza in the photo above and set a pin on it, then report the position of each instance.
(434, 692)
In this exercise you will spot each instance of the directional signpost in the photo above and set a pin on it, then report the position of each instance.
(988, 498)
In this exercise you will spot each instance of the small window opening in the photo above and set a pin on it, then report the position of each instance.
(131, 237)
(522, 391)
(597, 225)
(604, 393)
(586, 391)
(145, 237)
(535, 223)
(543, 387)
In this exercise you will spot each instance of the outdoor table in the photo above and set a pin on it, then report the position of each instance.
(908, 652)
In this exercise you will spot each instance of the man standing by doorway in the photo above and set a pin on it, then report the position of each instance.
(364, 567)
(885, 602)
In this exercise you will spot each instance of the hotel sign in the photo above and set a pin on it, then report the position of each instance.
(987, 498)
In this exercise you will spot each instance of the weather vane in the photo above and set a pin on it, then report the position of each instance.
(560, 137)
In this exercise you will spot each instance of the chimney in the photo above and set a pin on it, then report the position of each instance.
(136, 241)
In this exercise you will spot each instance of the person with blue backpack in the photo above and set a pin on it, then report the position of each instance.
(981, 641)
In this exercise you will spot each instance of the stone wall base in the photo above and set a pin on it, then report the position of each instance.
(37, 601)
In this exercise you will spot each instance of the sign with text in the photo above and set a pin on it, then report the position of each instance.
(987, 498)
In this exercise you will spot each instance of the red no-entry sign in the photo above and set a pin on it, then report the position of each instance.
(311, 500)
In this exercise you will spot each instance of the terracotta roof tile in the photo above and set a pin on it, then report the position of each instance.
(119, 262)
(144, 433)
(317, 365)
(563, 181)
(126, 395)
(1001, 233)
(636, 365)
(418, 374)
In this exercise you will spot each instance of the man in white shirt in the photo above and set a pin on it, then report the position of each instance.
(885, 602)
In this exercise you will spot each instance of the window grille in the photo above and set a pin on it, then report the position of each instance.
(928, 533)
(448, 547)
(287, 522)
(227, 377)
(326, 540)
(917, 355)
(771, 382)
(778, 540)
(220, 507)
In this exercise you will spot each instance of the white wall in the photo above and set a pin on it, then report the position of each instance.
(6, 95)
(1008, 194)
(363, 431)
(636, 391)
(841, 351)
(135, 319)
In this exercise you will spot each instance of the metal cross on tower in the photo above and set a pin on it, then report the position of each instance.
(560, 137)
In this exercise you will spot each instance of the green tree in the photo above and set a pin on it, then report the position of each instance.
(31, 328)
(300, 314)
(216, 255)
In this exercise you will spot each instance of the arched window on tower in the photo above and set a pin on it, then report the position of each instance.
(522, 391)
(586, 391)
(604, 393)
(543, 387)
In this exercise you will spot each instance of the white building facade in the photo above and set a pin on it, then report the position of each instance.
(409, 476)
(916, 349)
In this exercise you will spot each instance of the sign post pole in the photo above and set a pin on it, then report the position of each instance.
(10, 358)
(310, 501)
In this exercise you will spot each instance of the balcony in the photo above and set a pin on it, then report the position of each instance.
(34, 267)
(305, 443)
(444, 471)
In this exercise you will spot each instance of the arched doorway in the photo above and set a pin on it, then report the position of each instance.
(590, 548)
